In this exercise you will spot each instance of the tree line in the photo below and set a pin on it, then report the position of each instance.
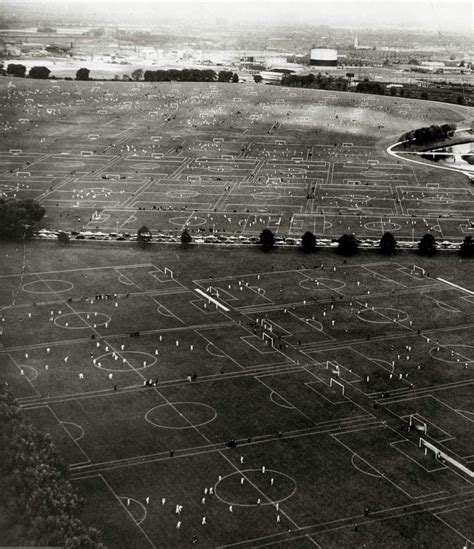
(190, 75)
(39, 506)
(319, 82)
(348, 244)
(170, 75)
(428, 134)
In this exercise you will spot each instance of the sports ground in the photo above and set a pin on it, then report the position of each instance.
(111, 157)
(283, 400)
(315, 367)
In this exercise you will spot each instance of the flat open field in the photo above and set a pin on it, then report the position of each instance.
(224, 158)
(315, 366)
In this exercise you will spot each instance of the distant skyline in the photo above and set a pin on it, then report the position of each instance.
(434, 15)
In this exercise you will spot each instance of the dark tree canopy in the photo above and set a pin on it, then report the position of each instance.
(144, 235)
(429, 134)
(257, 78)
(267, 239)
(16, 69)
(39, 506)
(467, 247)
(18, 218)
(308, 242)
(320, 81)
(83, 74)
(348, 245)
(427, 245)
(63, 238)
(367, 86)
(39, 72)
(388, 244)
(137, 74)
(185, 75)
(186, 238)
(224, 76)
(235, 78)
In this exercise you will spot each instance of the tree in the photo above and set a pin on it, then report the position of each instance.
(427, 245)
(467, 247)
(257, 78)
(224, 76)
(348, 245)
(308, 242)
(235, 78)
(63, 238)
(144, 235)
(18, 218)
(387, 244)
(39, 504)
(39, 72)
(267, 240)
(16, 70)
(83, 74)
(186, 238)
(137, 74)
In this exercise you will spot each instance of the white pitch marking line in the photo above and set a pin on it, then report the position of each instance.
(455, 285)
(211, 299)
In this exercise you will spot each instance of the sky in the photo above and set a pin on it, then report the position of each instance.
(437, 15)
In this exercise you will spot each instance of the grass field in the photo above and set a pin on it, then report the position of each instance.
(226, 159)
(144, 363)
(312, 364)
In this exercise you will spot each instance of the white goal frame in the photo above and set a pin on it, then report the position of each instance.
(416, 419)
(267, 325)
(418, 270)
(168, 271)
(266, 337)
(333, 381)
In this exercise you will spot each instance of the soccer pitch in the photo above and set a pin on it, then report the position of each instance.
(280, 405)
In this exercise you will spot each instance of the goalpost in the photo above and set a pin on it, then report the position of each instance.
(335, 368)
(268, 339)
(417, 423)
(266, 325)
(213, 291)
(333, 381)
(418, 270)
(168, 271)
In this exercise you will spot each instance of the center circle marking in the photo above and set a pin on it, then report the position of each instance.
(370, 315)
(181, 415)
(181, 194)
(129, 356)
(86, 320)
(55, 286)
(283, 488)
